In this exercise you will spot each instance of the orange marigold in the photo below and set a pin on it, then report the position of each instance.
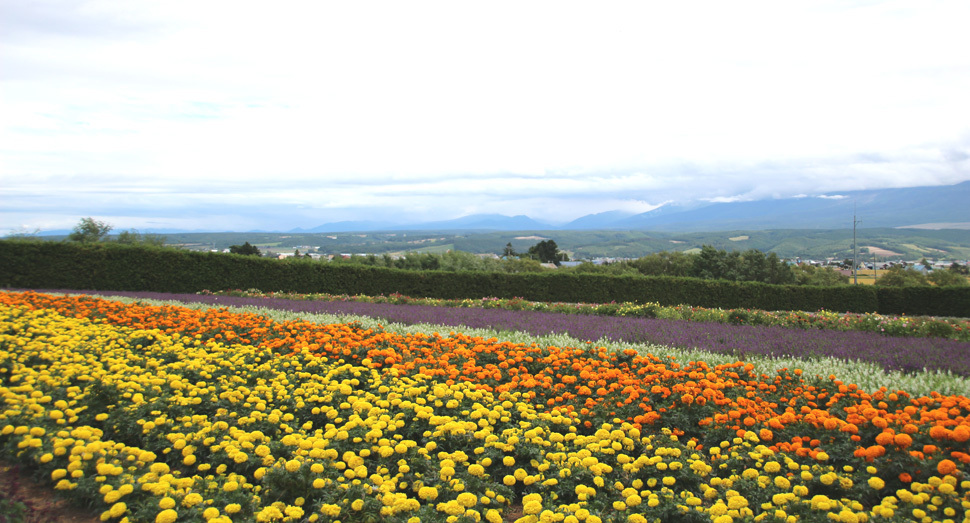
(946, 467)
(902, 440)
(939, 432)
(884, 438)
(961, 433)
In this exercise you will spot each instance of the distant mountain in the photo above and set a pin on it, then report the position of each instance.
(347, 226)
(603, 220)
(482, 221)
(875, 208)
(926, 207)
(906, 207)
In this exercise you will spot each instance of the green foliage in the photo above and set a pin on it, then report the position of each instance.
(245, 249)
(508, 251)
(133, 237)
(587, 267)
(547, 251)
(112, 266)
(943, 278)
(750, 265)
(897, 276)
(959, 269)
(806, 274)
(664, 263)
(11, 510)
(89, 230)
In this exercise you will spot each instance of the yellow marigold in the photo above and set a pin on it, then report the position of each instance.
(428, 493)
(166, 503)
(166, 516)
(292, 465)
(118, 509)
(192, 499)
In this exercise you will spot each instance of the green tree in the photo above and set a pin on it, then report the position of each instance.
(89, 230)
(245, 249)
(806, 274)
(133, 237)
(508, 251)
(461, 261)
(664, 263)
(944, 278)
(901, 277)
(547, 251)
(959, 269)
(751, 265)
(516, 265)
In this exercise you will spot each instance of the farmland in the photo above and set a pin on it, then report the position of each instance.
(168, 413)
(911, 244)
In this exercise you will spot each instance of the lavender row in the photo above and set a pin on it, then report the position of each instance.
(891, 353)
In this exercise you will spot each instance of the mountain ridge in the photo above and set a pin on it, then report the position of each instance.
(894, 207)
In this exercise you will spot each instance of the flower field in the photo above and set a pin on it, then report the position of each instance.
(165, 413)
(902, 325)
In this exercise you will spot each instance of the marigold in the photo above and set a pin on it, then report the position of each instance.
(902, 440)
(946, 467)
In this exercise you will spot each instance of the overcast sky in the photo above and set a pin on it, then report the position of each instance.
(241, 115)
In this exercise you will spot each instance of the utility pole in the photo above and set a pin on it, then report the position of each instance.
(855, 249)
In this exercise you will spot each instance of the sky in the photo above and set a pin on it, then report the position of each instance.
(238, 115)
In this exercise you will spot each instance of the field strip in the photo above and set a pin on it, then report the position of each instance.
(866, 375)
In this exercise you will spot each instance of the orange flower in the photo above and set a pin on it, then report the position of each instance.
(902, 440)
(946, 467)
(961, 433)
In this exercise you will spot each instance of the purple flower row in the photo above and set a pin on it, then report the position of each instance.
(892, 353)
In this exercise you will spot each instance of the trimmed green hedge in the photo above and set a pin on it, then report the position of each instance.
(51, 265)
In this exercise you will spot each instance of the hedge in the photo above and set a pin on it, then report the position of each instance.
(106, 266)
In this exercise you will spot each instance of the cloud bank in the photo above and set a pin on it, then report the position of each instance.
(237, 115)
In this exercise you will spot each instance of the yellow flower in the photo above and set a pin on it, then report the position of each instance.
(166, 503)
(192, 499)
(876, 483)
(166, 516)
(428, 493)
(118, 509)
(467, 499)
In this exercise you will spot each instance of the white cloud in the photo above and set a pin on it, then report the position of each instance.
(349, 110)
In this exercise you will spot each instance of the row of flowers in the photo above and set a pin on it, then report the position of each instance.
(921, 326)
(196, 415)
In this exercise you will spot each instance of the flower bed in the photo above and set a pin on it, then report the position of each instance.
(905, 354)
(952, 328)
(169, 414)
